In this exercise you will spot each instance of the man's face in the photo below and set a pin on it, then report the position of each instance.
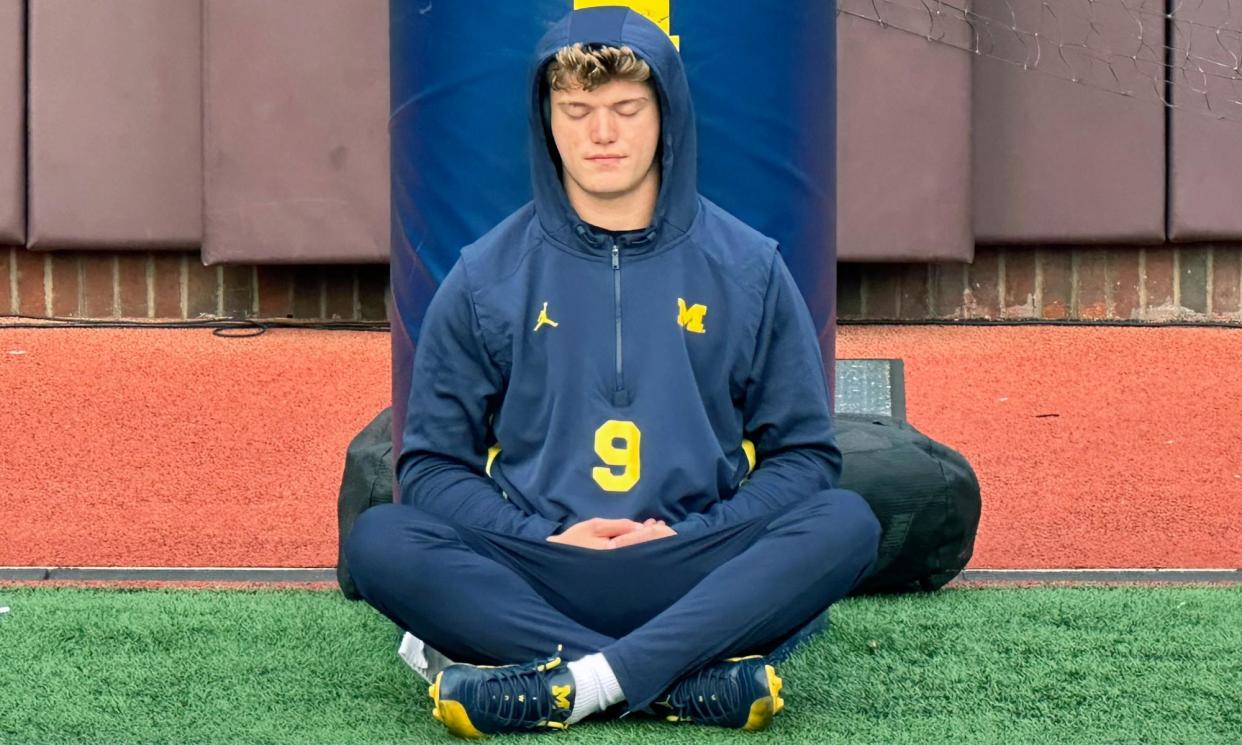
(606, 137)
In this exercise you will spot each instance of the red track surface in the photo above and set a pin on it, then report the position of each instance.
(177, 448)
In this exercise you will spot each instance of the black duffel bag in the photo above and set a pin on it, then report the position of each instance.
(367, 482)
(925, 495)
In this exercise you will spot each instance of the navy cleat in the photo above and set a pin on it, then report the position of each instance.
(474, 701)
(742, 693)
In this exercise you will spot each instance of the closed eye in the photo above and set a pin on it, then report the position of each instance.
(630, 108)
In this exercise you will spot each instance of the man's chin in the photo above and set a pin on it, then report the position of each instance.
(609, 192)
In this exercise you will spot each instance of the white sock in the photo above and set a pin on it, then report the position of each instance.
(596, 688)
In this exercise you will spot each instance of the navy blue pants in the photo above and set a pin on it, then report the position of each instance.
(657, 610)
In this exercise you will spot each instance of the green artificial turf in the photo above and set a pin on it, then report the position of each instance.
(1034, 665)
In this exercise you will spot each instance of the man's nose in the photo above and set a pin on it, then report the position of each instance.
(603, 127)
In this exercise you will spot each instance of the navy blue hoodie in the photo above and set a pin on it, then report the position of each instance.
(681, 354)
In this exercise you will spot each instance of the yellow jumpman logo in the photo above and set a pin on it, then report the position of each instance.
(544, 320)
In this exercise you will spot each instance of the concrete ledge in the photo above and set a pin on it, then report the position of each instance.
(328, 574)
(1097, 576)
(172, 574)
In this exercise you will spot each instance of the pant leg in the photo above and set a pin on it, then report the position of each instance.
(424, 574)
(797, 565)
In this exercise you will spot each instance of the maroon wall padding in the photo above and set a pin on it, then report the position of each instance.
(115, 124)
(903, 138)
(1057, 161)
(1205, 151)
(296, 140)
(12, 124)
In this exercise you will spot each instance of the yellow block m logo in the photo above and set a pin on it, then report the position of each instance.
(561, 694)
(691, 319)
(657, 11)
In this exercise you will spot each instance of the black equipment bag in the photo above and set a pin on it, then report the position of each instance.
(925, 495)
(367, 482)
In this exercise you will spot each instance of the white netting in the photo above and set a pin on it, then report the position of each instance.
(1184, 54)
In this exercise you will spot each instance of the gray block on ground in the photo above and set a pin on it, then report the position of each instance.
(870, 387)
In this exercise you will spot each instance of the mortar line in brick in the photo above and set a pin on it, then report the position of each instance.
(13, 306)
(1211, 285)
(116, 286)
(1110, 306)
(1142, 283)
(1074, 259)
(47, 284)
(1000, 283)
(928, 282)
(323, 294)
(959, 310)
(80, 270)
(1177, 278)
(254, 291)
(219, 290)
(150, 285)
(185, 285)
(357, 305)
(81, 288)
(1039, 283)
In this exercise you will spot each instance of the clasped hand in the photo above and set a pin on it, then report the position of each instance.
(603, 533)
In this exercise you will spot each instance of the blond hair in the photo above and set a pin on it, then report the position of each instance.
(578, 66)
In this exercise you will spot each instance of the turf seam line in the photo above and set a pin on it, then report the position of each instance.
(328, 574)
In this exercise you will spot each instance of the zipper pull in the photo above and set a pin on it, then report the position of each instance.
(616, 256)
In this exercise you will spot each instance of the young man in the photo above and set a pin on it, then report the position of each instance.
(619, 442)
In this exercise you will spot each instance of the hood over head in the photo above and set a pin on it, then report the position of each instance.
(677, 203)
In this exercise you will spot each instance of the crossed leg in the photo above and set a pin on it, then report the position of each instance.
(657, 610)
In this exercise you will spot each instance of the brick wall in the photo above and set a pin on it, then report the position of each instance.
(1157, 283)
(96, 284)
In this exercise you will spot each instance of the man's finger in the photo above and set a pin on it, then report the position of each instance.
(638, 536)
(629, 539)
(610, 528)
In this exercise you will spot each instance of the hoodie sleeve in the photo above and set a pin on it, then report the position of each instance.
(786, 414)
(454, 390)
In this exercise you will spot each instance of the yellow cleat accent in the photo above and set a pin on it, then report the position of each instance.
(775, 684)
(458, 722)
(452, 714)
(762, 711)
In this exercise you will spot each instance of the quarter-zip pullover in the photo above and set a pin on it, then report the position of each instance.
(565, 372)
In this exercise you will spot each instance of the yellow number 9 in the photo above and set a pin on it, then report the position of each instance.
(625, 456)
